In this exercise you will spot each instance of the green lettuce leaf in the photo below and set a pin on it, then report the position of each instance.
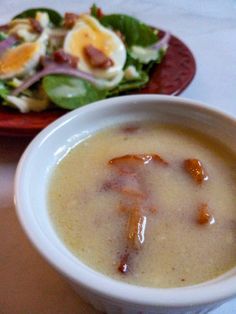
(131, 61)
(126, 86)
(148, 67)
(135, 32)
(4, 91)
(144, 55)
(54, 16)
(69, 92)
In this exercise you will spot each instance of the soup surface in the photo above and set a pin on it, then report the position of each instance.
(152, 205)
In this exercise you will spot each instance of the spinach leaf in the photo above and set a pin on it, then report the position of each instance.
(69, 92)
(135, 32)
(4, 91)
(148, 67)
(126, 86)
(131, 61)
(54, 16)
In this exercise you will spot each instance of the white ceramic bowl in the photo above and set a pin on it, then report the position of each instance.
(31, 184)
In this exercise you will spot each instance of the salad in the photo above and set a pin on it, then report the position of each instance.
(48, 60)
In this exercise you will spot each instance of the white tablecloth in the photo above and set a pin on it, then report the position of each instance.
(209, 29)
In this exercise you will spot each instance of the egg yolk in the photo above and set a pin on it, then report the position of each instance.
(15, 59)
(91, 34)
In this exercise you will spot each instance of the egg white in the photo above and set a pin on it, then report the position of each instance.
(117, 55)
(27, 63)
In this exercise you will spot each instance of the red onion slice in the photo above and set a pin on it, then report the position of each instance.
(7, 43)
(53, 69)
(162, 42)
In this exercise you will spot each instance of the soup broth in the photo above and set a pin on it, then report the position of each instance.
(151, 205)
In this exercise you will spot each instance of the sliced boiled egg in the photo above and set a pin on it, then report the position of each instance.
(23, 29)
(88, 31)
(22, 59)
(42, 18)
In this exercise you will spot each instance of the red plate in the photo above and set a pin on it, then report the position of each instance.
(171, 77)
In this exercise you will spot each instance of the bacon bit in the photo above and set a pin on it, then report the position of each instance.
(70, 19)
(36, 26)
(129, 182)
(140, 158)
(136, 228)
(60, 56)
(125, 158)
(123, 266)
(100, 14)
(97, 58)
(97, 11)
(204, 217)
(157, 158)
(195, 168)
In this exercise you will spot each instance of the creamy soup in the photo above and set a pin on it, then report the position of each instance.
(151, 205)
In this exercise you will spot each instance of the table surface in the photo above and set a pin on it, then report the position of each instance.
(28, 284)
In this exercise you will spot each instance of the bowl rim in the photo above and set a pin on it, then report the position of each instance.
(208, 292)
